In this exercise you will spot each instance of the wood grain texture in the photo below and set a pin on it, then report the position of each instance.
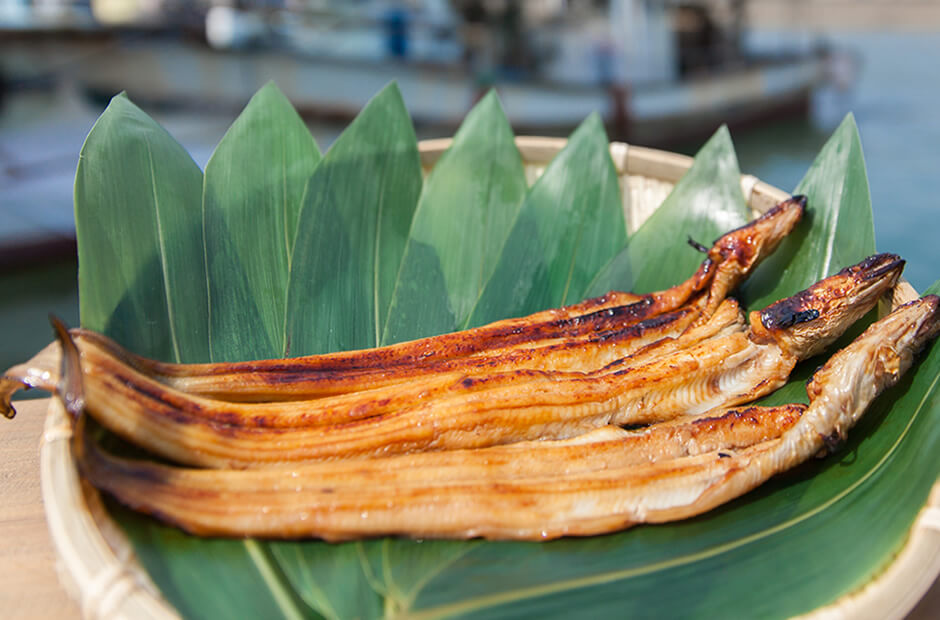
(30, 587)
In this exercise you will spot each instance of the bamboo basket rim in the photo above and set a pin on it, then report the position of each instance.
(98, 568)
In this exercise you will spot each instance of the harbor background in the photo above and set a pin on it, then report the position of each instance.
(893, 98)
(892, 95)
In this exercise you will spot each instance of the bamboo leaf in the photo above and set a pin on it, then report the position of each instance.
(809, 521)
(837, 231)
(408, 568)
(143, 282)
(140, 240)
(330, 579)
(784, 549)
(466, 208)
(352, 231)
(705, 204)
(253, 188)
(568, 227)
(211, 578)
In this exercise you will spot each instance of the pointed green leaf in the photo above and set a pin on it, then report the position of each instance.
(138, 221)
(408, 568)
(837, 230)
(808, 521)
(705, 204)
(570, 224)
(352, 231)
(143, 281)
(331, 578)
(466, 208)
(253, 188)
(215, 578)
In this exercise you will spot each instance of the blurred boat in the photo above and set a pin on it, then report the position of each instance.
(657, 71)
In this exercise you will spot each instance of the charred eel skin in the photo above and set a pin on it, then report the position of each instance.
(601, 482)
(730, 366)
(616, 324)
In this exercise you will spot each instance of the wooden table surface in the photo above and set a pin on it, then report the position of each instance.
(29, 585)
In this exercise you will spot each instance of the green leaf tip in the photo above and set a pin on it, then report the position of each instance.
(593, 123)
(838, 229)
(147, 290)
(253, 190)
(489, 106)
(389, 103)
(270, 86)
(721, 138)
(356, 215)
(568, 227)
(848, 120)
(491, 97)
(121, 104)
(268, 94)
(846, 133)
(706, 203)
(389, 95)
(467, 206)
(487, 111)
(642, 571)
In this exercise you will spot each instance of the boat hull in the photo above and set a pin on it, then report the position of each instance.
(181, 73)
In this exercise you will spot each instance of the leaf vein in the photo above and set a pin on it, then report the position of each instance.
(610, 577)
(278, 590)
(163, 259)
(376, 249)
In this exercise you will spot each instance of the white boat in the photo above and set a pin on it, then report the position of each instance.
(657, 72)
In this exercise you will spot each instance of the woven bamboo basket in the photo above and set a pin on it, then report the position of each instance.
(97, 564)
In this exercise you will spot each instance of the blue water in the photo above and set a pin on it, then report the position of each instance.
(895, 102)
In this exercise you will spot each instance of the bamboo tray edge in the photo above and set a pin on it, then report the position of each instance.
(97, 563)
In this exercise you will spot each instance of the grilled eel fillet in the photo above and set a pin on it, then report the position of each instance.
(603, 481)
(655, 336)
(581, 337)
(730, 367)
